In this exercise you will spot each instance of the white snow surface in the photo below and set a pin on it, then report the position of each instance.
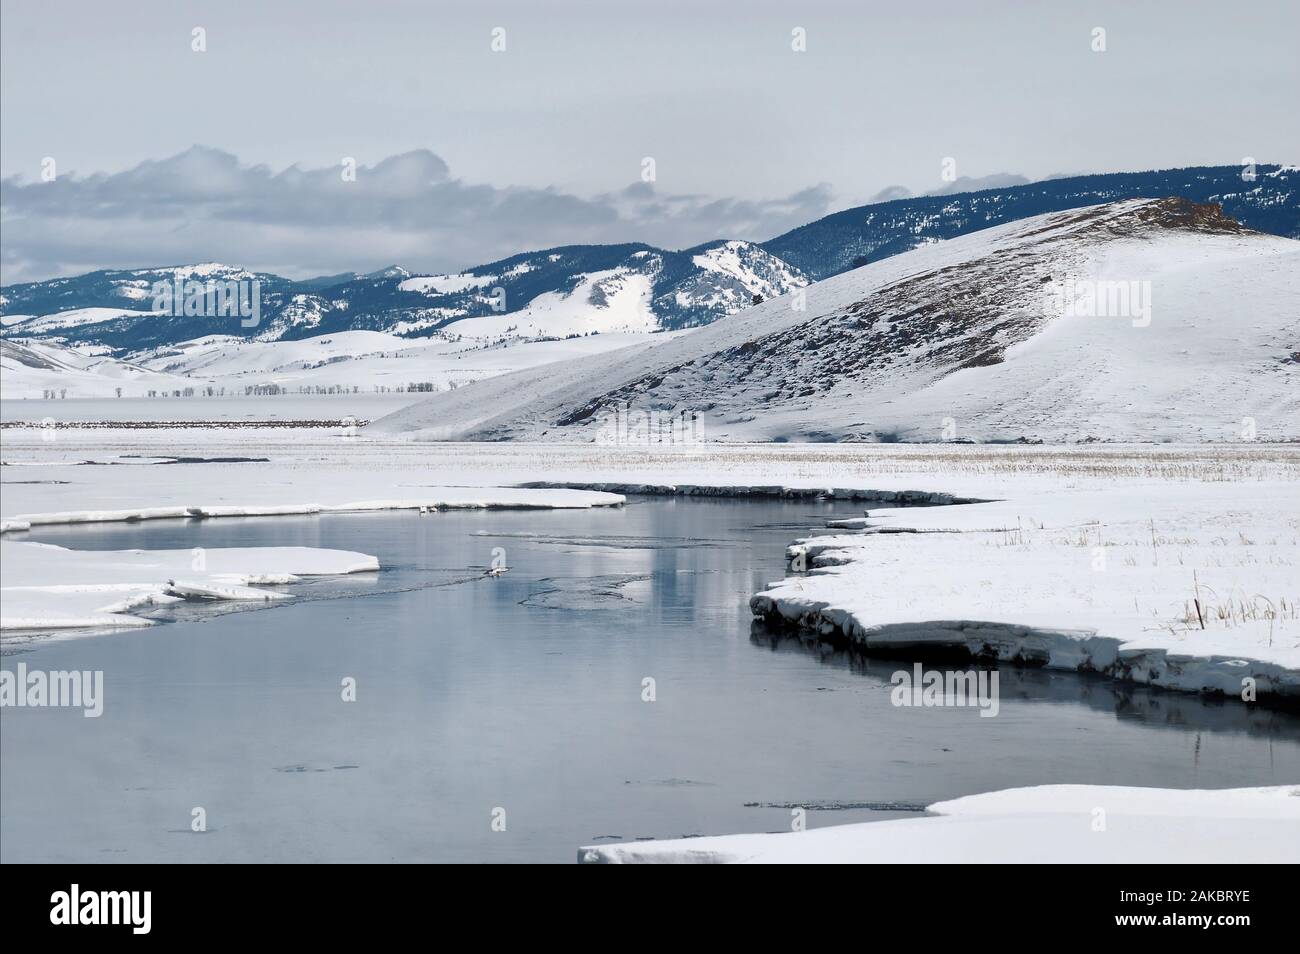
(615, 300)
(445, 284)
(960, 339)
(1191, 588)
(1048, 824)
(49, 587)
(743, 270)
(758, 271)
(209, 500)
(76, 317)
(347, 360)
(29, 367)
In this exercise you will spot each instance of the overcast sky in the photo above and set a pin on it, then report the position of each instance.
(465, 154)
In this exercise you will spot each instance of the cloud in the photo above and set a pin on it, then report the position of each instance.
(205, 205)
(999, 180)
(889, 193)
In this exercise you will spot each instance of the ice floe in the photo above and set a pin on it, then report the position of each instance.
(433, 499)
(49, 587)
(1042, 824)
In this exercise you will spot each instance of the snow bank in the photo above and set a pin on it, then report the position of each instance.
(437, 498)
(1186, 588)
(900, 497)
(1043, 824)
(49, 587)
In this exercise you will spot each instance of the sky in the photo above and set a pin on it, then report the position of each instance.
(163, 154)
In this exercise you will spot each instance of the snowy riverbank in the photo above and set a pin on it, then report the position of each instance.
(1192, 588)
(1092, 558)
(1045, 824)
(1081, 556)
(202, 491)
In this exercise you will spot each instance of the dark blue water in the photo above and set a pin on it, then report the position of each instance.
(524, 693)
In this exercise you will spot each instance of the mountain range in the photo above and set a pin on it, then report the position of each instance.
(1133, 320)
(576, 291)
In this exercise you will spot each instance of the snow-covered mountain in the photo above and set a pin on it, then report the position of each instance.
(1134, 320)
(556, 293)
(387, 329)
(114, 308)
(568, 292)
(579, 290)
(1263, 197)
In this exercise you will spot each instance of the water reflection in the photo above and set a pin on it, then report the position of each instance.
(1148, 706)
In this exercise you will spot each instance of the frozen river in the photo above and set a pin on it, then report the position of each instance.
(522, 699)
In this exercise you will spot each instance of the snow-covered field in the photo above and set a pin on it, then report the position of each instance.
(1089, 824)
(360, 361)
(265, 410)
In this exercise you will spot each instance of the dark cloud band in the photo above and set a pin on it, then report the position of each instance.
(205, 205)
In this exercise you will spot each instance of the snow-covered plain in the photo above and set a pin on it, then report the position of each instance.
(1081, 824)
(199, 413)
(344, 361)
